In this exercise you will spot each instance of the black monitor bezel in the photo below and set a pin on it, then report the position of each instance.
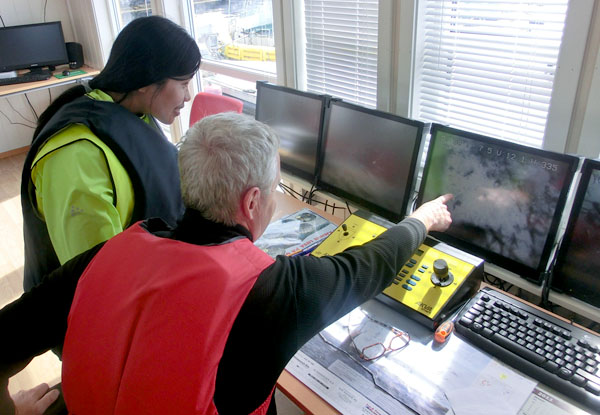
(286, 167)
(412, 174)
(38, 64)
(587, 168)
(535, 275)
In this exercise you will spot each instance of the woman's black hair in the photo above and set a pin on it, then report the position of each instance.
(148, 50)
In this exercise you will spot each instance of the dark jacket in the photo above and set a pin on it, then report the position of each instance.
(148, 157)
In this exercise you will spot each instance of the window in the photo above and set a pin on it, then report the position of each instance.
(127, 10)
(340, 49)
(488, 66)
(237, 43)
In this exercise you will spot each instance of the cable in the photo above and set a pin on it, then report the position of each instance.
(45, 4)
(313, 190)
(15, 110)
(16, 123)
(414, 201)
(310, 194)
(288, 190)
(32, 109)
(297, 195)
(1, 19)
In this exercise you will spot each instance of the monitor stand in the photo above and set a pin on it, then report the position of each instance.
(42, 70)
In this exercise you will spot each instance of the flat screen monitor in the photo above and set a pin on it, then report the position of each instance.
(577, 269)
(508, 198)
(32, 46)
(369, 157)
(297, 117)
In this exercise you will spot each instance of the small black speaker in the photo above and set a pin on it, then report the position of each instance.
(75, 54)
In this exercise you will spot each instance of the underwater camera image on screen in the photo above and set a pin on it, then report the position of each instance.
(297, 117)
(507, 197)
(369, 158)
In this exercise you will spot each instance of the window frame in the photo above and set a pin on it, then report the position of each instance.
(250, 75)
(574, 110)
(295, 73)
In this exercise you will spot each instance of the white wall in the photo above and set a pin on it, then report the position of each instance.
(16, 109)
(96, 39)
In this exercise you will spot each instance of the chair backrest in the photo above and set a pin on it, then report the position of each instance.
(206, 103)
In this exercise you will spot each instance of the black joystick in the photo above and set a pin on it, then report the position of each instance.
(441, 275)
(345, 229)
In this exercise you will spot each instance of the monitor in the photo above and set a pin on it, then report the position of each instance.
(297, 117)
(370, 157)
(32, 46)
(577, 269)
(508, 198)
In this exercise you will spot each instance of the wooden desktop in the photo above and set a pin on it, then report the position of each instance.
(307, 400)
(23, 88)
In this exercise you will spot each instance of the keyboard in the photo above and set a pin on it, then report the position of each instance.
(27, 77)
(551, 351)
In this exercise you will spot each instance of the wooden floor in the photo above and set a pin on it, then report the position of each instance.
(44, 368)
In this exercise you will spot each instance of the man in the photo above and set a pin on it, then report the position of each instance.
(196, 319)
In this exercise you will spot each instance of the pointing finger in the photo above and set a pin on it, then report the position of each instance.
(446, 198)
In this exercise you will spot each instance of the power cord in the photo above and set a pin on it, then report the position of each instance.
(289, 190)
(326, 204)
(15, 110)
(348, 208)
(32, 109)
(16, 123)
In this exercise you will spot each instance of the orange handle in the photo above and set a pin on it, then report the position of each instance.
(443, 331)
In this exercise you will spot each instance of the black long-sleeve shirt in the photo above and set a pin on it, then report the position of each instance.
(291, 301)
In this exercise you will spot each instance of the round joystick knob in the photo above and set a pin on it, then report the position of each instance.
(441, 276)
(440, 267)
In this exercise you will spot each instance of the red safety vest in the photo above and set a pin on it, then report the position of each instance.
(149, 323)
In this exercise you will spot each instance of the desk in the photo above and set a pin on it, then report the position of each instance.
(441, 368)
(15, 89)
(295, 390)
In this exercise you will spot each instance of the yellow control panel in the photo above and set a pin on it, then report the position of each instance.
(430, 285)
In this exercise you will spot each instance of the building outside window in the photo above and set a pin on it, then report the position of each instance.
(237, 43)
(127, 10)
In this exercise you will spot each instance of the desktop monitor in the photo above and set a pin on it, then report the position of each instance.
(369, 157)
(508, 198)
(577, 269)
(32, 46)
(297, 117)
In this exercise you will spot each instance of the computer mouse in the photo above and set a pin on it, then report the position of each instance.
(66, 72)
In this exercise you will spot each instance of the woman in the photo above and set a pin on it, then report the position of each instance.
(99, 161)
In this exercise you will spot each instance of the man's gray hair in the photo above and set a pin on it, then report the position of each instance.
(221, 157)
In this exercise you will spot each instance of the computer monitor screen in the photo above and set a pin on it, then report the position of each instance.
(508, 198)
(297, 117)
(577, 269)
(369, 158)
(32, 46)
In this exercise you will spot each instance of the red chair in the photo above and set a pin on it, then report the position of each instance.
(206, 103)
